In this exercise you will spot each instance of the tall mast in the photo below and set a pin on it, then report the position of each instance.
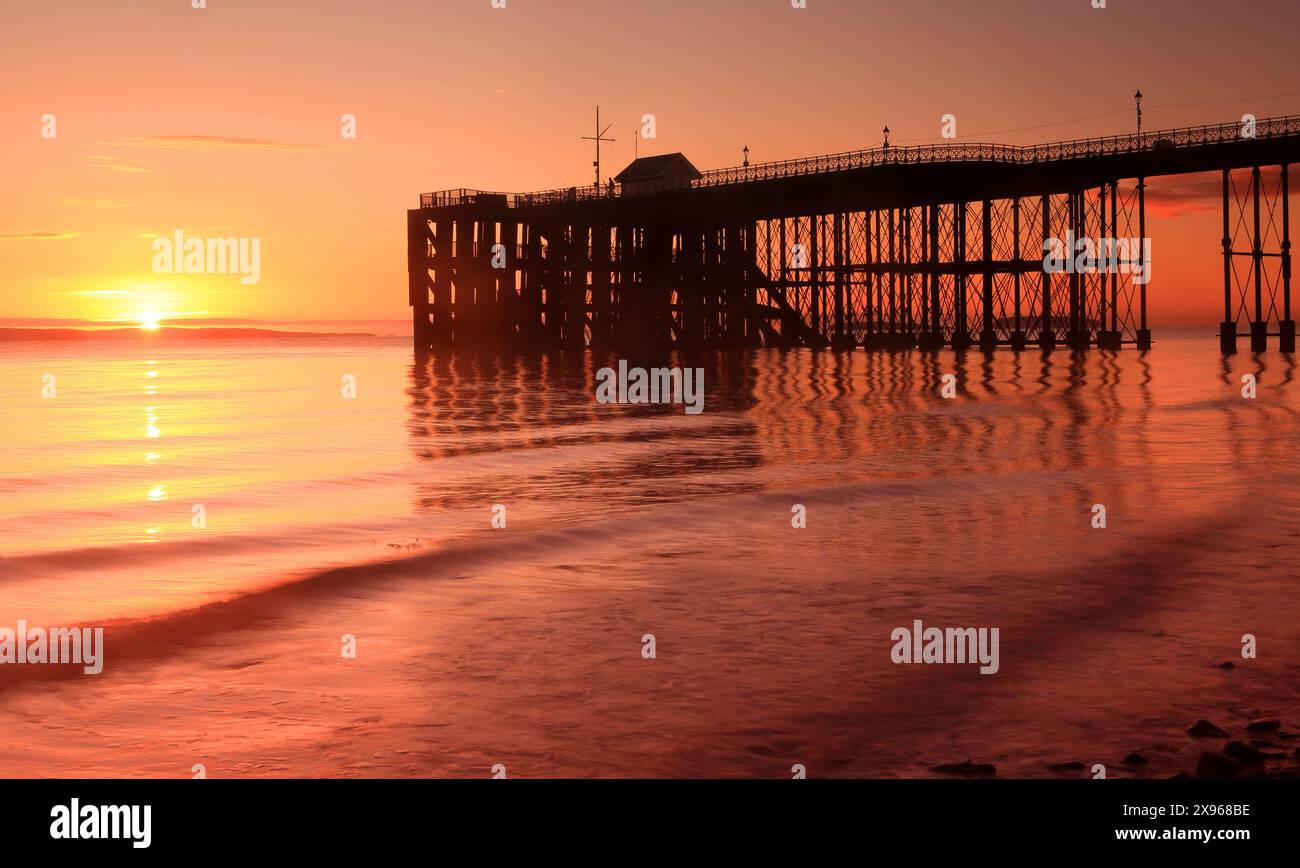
(598, 138)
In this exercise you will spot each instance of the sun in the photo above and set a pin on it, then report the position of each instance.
(149, 321)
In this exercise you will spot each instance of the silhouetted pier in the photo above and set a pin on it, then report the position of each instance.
(894, 247)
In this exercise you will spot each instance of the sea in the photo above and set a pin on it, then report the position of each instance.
(319, 555)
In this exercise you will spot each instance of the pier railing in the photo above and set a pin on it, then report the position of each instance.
(978, 152)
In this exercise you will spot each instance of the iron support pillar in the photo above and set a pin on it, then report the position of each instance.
(1259, 325)
(1227, 328)
(1287, 325)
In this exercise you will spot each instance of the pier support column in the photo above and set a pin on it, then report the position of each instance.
(714, 291)
(1077, 337)
(1259, 325)
(1258, 336)
(1143, 332)
(507, 281)
(1047, 329)
(1018, 338)
(988, 335)
(960, 329)
(931, 336)
(1109, 336)
(602, 330)
(417, 269)
(779, 276)
(907, 316)
(444, 230)
(892, 336)
(842, 339)
(1287, 325)
(697, 250)
(1227, 328)
(815, 274)
(532, 331)
(874, 339)
(1227, 337)
(568, 267)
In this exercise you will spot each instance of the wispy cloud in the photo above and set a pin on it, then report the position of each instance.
(1175, 195)
(37, 321)
(118, 164)
(38, 236)
(216, 143)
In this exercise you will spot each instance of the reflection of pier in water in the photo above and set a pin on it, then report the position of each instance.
(480, 405)
(887, 248)
(526, 428)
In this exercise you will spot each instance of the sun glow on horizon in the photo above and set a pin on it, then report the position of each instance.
(149, 321)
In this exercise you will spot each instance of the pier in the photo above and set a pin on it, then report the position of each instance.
(893, 247)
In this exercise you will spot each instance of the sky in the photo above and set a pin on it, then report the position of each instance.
(227, 120)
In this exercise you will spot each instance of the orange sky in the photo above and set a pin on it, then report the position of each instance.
(226, 120)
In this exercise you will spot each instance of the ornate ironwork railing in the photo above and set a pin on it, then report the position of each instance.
(976, 152)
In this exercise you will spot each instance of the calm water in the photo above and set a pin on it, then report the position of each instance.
(372, 516)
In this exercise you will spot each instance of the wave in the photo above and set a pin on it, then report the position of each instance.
(1129, 575)
(170, 634)
(101, 558)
